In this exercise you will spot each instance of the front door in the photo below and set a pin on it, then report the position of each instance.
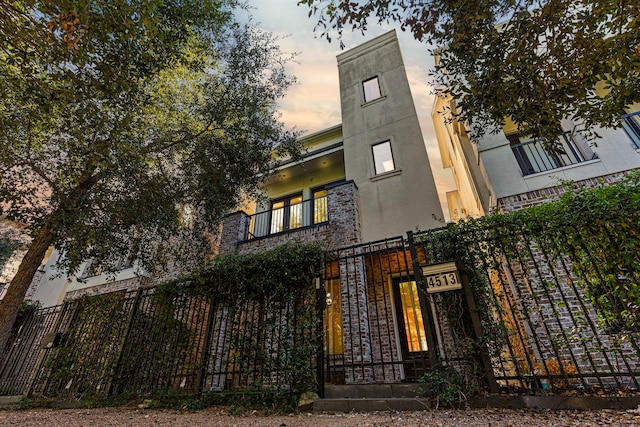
(411, 329)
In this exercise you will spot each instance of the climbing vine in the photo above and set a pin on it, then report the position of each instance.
(536, 265)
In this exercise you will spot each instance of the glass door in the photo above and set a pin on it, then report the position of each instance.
(411, 330)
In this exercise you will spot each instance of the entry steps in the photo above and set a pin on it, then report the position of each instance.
(372, 397)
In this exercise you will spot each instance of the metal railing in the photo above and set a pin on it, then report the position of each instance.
(534, 156)
(631, 125)
(291, 217)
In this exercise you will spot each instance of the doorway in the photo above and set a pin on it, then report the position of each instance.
(411, 328)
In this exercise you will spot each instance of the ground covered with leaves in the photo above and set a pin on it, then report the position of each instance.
(219, 417)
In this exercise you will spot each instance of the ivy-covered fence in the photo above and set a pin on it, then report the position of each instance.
(556, 288)
(550, 303)
(249, 322)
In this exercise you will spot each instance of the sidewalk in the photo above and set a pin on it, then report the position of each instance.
(103, 417)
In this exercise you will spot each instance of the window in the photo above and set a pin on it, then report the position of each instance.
(383, 158)
(286, 214)
(631, 125)
(533, 156)
(411, 322)
(95, 267)
(320, 211)
(371, 89)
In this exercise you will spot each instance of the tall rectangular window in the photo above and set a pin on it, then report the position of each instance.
(286, 214)
(383, 158)
(333, 341)
(412, 317)
(320, 208)
(371, 89)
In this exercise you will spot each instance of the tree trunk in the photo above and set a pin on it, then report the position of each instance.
(10, 305)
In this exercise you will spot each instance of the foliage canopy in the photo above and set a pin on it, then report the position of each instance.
(133, 113)
(535, 61)
(129, 123)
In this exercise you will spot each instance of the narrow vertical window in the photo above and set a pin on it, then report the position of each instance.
(371, 89)
(383, 158)
(333, 318)
(320, 208)
(412, 317)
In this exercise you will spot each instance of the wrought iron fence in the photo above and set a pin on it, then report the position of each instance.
(533, 315)
(541, 328)
(26, 350)
(145, 343)
(373, 320)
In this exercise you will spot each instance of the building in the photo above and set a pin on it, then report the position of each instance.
(361, 186)
(363, 180)
(511, 171)
(366, 179)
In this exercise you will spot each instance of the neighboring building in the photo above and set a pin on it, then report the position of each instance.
(364, 180)
(14, 231)
(512, 171)
(55, 287)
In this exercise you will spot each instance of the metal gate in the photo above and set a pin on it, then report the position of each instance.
(376, 322)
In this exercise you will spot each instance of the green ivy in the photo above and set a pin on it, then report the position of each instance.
(591, 235)
(280, 271)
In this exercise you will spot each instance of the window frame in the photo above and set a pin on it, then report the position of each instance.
(314, 191)
(631, 126)
(523, 147)
(285, 220)
(364, 89)
(375, 162)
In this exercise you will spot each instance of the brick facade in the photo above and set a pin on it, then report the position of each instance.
(528, 283)
(536, 197)
(343, 228)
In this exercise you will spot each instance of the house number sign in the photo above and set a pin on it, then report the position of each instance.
(441, 277)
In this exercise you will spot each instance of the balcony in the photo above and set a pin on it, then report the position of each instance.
(288, 217)
(631, 125)
(331, 217)
(533, 157)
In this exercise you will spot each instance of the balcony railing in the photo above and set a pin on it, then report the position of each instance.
(534, 157)
(631, 125)
(291, 217)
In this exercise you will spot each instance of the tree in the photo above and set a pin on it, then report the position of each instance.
(534, 61)
(120, 118)
(8, 244)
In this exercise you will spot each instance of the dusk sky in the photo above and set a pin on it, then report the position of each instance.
(314, 103)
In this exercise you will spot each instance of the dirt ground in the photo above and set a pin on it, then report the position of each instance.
(216, 417)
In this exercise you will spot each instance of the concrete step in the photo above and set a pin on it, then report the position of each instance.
(374, 391)
(9, 401)
(372, 397)
(338, 405)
